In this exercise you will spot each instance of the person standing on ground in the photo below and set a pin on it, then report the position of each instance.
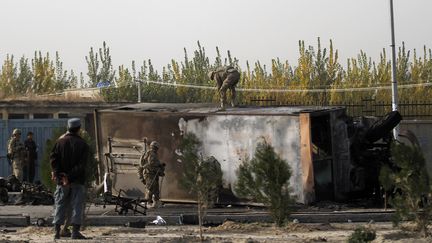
(226, 78)
(17, 154)
(30, 166)
(149, 171)
(69, 158)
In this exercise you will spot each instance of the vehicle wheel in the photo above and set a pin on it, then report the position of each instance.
(4, 197)
(40, 222)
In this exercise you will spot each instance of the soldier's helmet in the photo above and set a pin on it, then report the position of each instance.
(16, 131)
(154, 144)
(210, 75)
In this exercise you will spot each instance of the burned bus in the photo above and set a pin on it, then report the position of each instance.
(325, 148)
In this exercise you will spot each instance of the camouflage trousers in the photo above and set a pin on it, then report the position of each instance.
(152, 187)
(229, 83)
(17, 169)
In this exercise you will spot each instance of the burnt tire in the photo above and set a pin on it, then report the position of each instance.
(41, 222)
(383, 126)
(4, 196)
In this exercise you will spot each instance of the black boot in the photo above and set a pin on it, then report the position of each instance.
(76, 233)
(57, 231)
(65, 232)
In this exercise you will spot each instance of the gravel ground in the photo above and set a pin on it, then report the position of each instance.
(228, 232)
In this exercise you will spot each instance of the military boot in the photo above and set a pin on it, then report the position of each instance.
(57, 228)
(76, 235)
(222, 105)
(65, 232)
(156, 204)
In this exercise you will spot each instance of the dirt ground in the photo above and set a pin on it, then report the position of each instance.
(227, 232)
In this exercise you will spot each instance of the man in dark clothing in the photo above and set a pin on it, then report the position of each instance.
(30, 165)
(226, 78)
(68, 162)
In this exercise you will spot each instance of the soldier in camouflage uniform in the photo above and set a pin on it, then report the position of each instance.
(17, 154)
(149, 171)
(226, 78)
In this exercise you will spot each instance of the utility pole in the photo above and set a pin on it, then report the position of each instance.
(394, 80)
(138, 83)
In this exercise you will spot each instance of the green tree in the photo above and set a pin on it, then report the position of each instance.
(44, 76)
(100, 67)
(265, 179)
(45, 162)
(413, 194)
(201, 176)
(8, 77)
(25, 76)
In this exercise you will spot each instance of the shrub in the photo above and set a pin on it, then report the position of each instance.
(412, 190)
(265, 179)
(201, 176)
(362, 235)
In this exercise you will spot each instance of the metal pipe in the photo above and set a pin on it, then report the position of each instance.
(394, 80)
(139, 91)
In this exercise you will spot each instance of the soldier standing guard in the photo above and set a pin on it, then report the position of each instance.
(149, 171)
(226, 78)
(17, 154)
(30, 167)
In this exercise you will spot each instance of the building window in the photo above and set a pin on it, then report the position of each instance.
(42, 116)
(18, 116)
(63, 115)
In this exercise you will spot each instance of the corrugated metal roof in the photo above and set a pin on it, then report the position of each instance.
(200, 108)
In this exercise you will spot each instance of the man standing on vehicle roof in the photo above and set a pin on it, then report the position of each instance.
(226, 78)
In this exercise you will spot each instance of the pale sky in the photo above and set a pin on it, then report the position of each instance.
(251, 29)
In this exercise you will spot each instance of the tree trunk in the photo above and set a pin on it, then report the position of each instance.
(200, 219)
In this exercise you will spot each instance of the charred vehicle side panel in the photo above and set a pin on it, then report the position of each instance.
(315, 141)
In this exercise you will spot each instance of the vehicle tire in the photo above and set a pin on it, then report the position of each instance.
(4, 197)
(41, 222)
(383, 126)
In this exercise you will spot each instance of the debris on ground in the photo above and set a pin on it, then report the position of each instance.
(159, 221)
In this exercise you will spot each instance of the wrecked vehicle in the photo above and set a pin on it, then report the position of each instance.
(332, 156)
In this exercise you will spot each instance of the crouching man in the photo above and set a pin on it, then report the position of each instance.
(68, 158)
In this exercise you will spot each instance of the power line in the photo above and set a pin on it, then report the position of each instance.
(321, 90)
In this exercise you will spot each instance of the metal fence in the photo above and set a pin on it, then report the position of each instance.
(366, 107)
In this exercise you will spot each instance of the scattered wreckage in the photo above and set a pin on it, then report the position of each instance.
(12, 191)
(333, 157)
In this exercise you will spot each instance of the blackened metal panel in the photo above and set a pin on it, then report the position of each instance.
(132, 127)
(230, 138)
(341, 155)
